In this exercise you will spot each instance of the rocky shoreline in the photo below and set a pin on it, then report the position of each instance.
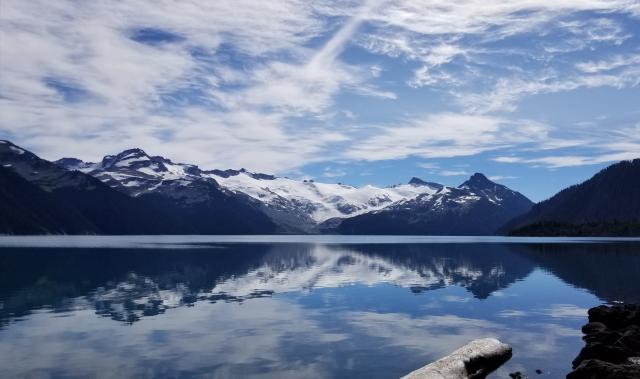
(612, 351)
(612, 344)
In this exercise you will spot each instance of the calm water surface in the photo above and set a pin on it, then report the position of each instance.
(280, 307)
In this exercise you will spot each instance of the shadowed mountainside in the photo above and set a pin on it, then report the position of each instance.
(606, 204)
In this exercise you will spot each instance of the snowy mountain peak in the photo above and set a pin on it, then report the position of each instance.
(133, 152)
(478, 181)
(419, 182)
(126, 158)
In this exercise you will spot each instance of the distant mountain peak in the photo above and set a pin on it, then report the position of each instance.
(132, 155)
(135, 152)
(415, 181)
(478, 181)
(479, 177)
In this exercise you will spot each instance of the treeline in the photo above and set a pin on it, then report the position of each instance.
(591, 229)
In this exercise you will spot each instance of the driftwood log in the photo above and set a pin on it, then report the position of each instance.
(472, 361)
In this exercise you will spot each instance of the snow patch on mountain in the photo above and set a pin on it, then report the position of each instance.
(321, 200)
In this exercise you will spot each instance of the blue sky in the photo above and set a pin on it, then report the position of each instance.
(536, 94)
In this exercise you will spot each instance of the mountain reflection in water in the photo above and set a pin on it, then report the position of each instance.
(348, 309)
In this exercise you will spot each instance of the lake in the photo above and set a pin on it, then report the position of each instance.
(297, 306)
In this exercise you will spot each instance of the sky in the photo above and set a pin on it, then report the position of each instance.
(536, 94)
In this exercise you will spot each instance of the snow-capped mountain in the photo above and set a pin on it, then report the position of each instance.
(296, 205)
(321, 201)
(476, 207)
(134, 172)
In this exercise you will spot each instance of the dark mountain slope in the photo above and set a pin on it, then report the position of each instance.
(206, 209)
(606, 204)
(63, 201)
(27, 209)
(56, 201)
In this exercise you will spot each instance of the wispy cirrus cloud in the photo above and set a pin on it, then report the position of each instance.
(622, 144)
(454, 173)
(330, 172)
(276, 86)
(167, 80)
(559, 161)
(447, 135)
(508, 91)
(498, 178)
(435, 33)
(612, 63)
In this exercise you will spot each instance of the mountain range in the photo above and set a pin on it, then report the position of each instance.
(136, 193)
(41, 197)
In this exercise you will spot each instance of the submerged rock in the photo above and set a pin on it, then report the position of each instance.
(474, 360)
(612, 339)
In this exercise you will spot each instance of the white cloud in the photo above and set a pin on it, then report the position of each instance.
(431, 55)
(507, 159)
(126, 89)
(622, 143)
(478, 16)
(508, 91)
(330, 172)
(428, 165)
(453, 173)
(447, 135)
(558, 161)
(256, 84)
(452, 43)
(609, 64)
(437, 56)
(597, 30)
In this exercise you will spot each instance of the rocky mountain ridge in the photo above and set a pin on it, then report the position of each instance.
(297, 206)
